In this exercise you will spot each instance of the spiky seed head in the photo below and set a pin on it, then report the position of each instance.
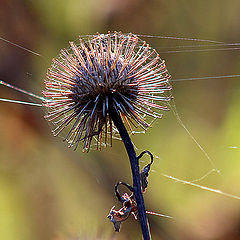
(104, 71)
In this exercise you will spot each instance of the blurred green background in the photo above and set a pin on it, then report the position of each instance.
(50, 192)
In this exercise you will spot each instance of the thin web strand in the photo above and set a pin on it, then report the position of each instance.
(25, 49)
(199, 50)
(178, 38)
(179, 120)
(199, 45)
(217, 43)
(201, 187)
(159, 214)
(21, 47)
(205, 78)
(21, 90)
(20, 102)
(234, 147)
(204, 176)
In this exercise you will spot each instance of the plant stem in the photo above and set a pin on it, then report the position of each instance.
(135, 171)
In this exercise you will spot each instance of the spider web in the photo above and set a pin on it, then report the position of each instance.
(210, 46)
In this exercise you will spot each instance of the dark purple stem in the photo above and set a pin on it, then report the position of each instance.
(135, 171)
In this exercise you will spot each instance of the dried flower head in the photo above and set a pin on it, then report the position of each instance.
(104, 71)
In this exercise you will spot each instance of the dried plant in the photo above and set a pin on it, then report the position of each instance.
(104, 72)
(98, 87)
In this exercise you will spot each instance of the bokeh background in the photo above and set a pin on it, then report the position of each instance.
(50, 192)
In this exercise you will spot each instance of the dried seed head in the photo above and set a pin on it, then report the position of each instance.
(104, 71)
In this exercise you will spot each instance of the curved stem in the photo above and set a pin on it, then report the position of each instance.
(135, 171)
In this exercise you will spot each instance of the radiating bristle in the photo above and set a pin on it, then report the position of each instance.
(104, 71)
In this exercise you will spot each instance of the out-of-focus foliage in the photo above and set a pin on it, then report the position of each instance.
(49, 192)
